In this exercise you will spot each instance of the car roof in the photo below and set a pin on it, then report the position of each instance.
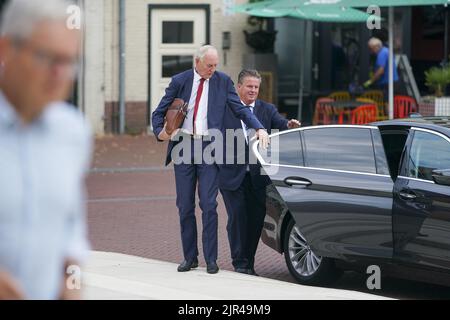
(440, 123)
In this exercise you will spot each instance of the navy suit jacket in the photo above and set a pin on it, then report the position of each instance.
(222, 97)
(231, 176)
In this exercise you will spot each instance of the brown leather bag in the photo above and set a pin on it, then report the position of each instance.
(175, 115)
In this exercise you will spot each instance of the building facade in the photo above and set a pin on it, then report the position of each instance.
(161, 38)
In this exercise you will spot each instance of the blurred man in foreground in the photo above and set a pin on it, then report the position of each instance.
(45, 149)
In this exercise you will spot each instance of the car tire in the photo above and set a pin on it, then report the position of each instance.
(304, 265)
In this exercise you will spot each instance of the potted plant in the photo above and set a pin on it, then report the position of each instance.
(437, 79)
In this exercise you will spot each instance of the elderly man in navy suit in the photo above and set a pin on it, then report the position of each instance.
(210, 95)
(242, 185)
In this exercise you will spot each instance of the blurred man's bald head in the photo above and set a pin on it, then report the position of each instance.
(375, 45)
(39, 54)
(20, 17)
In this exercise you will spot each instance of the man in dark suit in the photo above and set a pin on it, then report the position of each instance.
(243, 187)
(210, 95)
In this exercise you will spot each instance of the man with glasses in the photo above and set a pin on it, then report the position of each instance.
(45, 149)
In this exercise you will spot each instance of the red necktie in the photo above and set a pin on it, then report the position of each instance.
(197, 101)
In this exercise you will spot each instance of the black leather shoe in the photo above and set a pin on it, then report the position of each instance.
(212, 268)
(242, 270)
(252, 272)
(187, 265)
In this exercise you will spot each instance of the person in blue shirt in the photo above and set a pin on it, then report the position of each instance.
(380, 78)
(45, 151)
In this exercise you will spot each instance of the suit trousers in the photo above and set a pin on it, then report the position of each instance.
(189, 176)
(246, 208)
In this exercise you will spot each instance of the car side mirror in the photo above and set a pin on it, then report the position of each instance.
(441, 177)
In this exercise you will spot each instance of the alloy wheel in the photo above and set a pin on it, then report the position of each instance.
(302, 258)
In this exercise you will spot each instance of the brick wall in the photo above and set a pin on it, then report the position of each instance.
(135, 117)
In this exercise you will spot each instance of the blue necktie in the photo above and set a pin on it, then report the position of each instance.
(247, 128)
(247, 147)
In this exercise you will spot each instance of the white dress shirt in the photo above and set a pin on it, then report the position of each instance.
(201, 123)
(252, 107)
(42, 214)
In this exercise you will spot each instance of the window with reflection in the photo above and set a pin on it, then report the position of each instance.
(178, 32)
(284, 149)
(349, 149)
(428, 152)
(171, 65)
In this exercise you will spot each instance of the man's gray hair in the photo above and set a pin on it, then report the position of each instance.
(203, 51)
(375, 42)
(20, 17)
(248, 73)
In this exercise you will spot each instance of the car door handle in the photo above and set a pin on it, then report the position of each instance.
(407, 195)
(294, 181)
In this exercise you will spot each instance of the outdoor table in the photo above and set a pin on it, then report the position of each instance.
(351, 104)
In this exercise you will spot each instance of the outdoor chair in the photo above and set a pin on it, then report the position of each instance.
(323, 113)
(380, 107)
(340, 95)
(404, 106)
(375, 95)
(364, 114)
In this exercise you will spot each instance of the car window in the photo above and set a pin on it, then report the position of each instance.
(428, 152)
(284, 149)
(394, 141)
(349, 149)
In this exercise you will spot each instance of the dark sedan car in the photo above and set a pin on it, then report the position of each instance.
(358, 195)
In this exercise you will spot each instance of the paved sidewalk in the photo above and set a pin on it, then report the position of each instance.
(117, 276)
